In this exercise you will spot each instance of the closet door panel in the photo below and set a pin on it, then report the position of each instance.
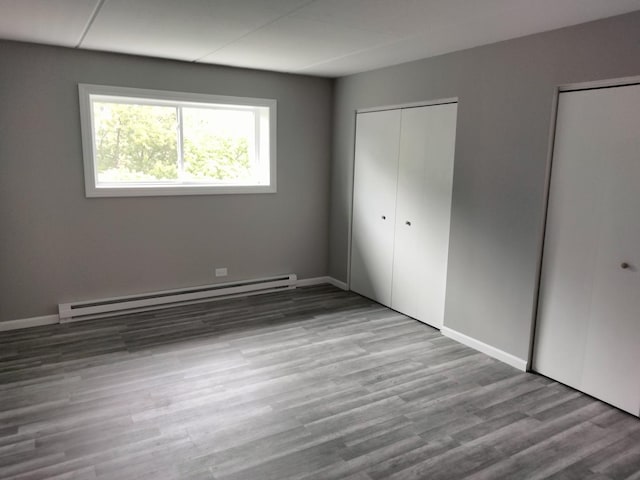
(588, 329)
(423, 211)
(571, 245)
(374, 200)
(612, 362)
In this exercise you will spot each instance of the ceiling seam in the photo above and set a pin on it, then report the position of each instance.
(254, 30)
(350, 54)
(92, 18)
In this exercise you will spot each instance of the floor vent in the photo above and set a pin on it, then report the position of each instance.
(89, 309)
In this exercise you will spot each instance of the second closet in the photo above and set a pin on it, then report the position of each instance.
(402, 206)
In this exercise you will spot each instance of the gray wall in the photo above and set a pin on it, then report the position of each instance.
(56, 245)
(505, 95)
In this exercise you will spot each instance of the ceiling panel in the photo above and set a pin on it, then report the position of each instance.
(290, 44)
(59, 22)
(401, 17)
(185, 30)
(523, 18)
(409, 17)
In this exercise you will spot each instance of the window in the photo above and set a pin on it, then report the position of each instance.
(148, 142)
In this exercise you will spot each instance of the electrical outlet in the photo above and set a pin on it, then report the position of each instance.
(221, 272)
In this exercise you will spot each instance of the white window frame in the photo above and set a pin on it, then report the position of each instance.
(266, 143)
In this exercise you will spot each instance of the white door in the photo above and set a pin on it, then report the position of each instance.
(588, 329)
(374, 203)
(423, 212)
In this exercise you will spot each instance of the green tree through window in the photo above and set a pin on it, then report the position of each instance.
(139, 143)
(135, 142)
(216, 143)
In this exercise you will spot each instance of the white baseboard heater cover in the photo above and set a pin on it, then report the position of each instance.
(89, 309)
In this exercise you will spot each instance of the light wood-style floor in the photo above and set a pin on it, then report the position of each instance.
(313, 383)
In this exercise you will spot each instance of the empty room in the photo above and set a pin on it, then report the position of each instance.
(320, 239)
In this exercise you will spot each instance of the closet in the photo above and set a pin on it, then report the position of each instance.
(588, 326)
(402, 206)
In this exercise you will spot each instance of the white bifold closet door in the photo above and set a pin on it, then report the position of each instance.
(402, 208)
(588, 329)
(374, 203)
(423, 206)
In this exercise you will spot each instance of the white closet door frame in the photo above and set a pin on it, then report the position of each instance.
(425, 103)
(569, 87)
(627, 81)
(547, 183)
(400, 106)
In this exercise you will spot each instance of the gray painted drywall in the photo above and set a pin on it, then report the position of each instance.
(505, 92)
(57, 246)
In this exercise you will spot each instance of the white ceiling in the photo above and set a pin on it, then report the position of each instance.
(317, 37)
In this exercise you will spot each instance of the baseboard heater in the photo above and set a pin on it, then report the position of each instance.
(90, 309)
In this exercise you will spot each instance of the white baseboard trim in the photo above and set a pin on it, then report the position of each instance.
(308, 282)
(29, 322)
(494, 352)
(337, 283)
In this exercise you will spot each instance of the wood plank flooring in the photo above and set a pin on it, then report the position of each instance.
(313, 383)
